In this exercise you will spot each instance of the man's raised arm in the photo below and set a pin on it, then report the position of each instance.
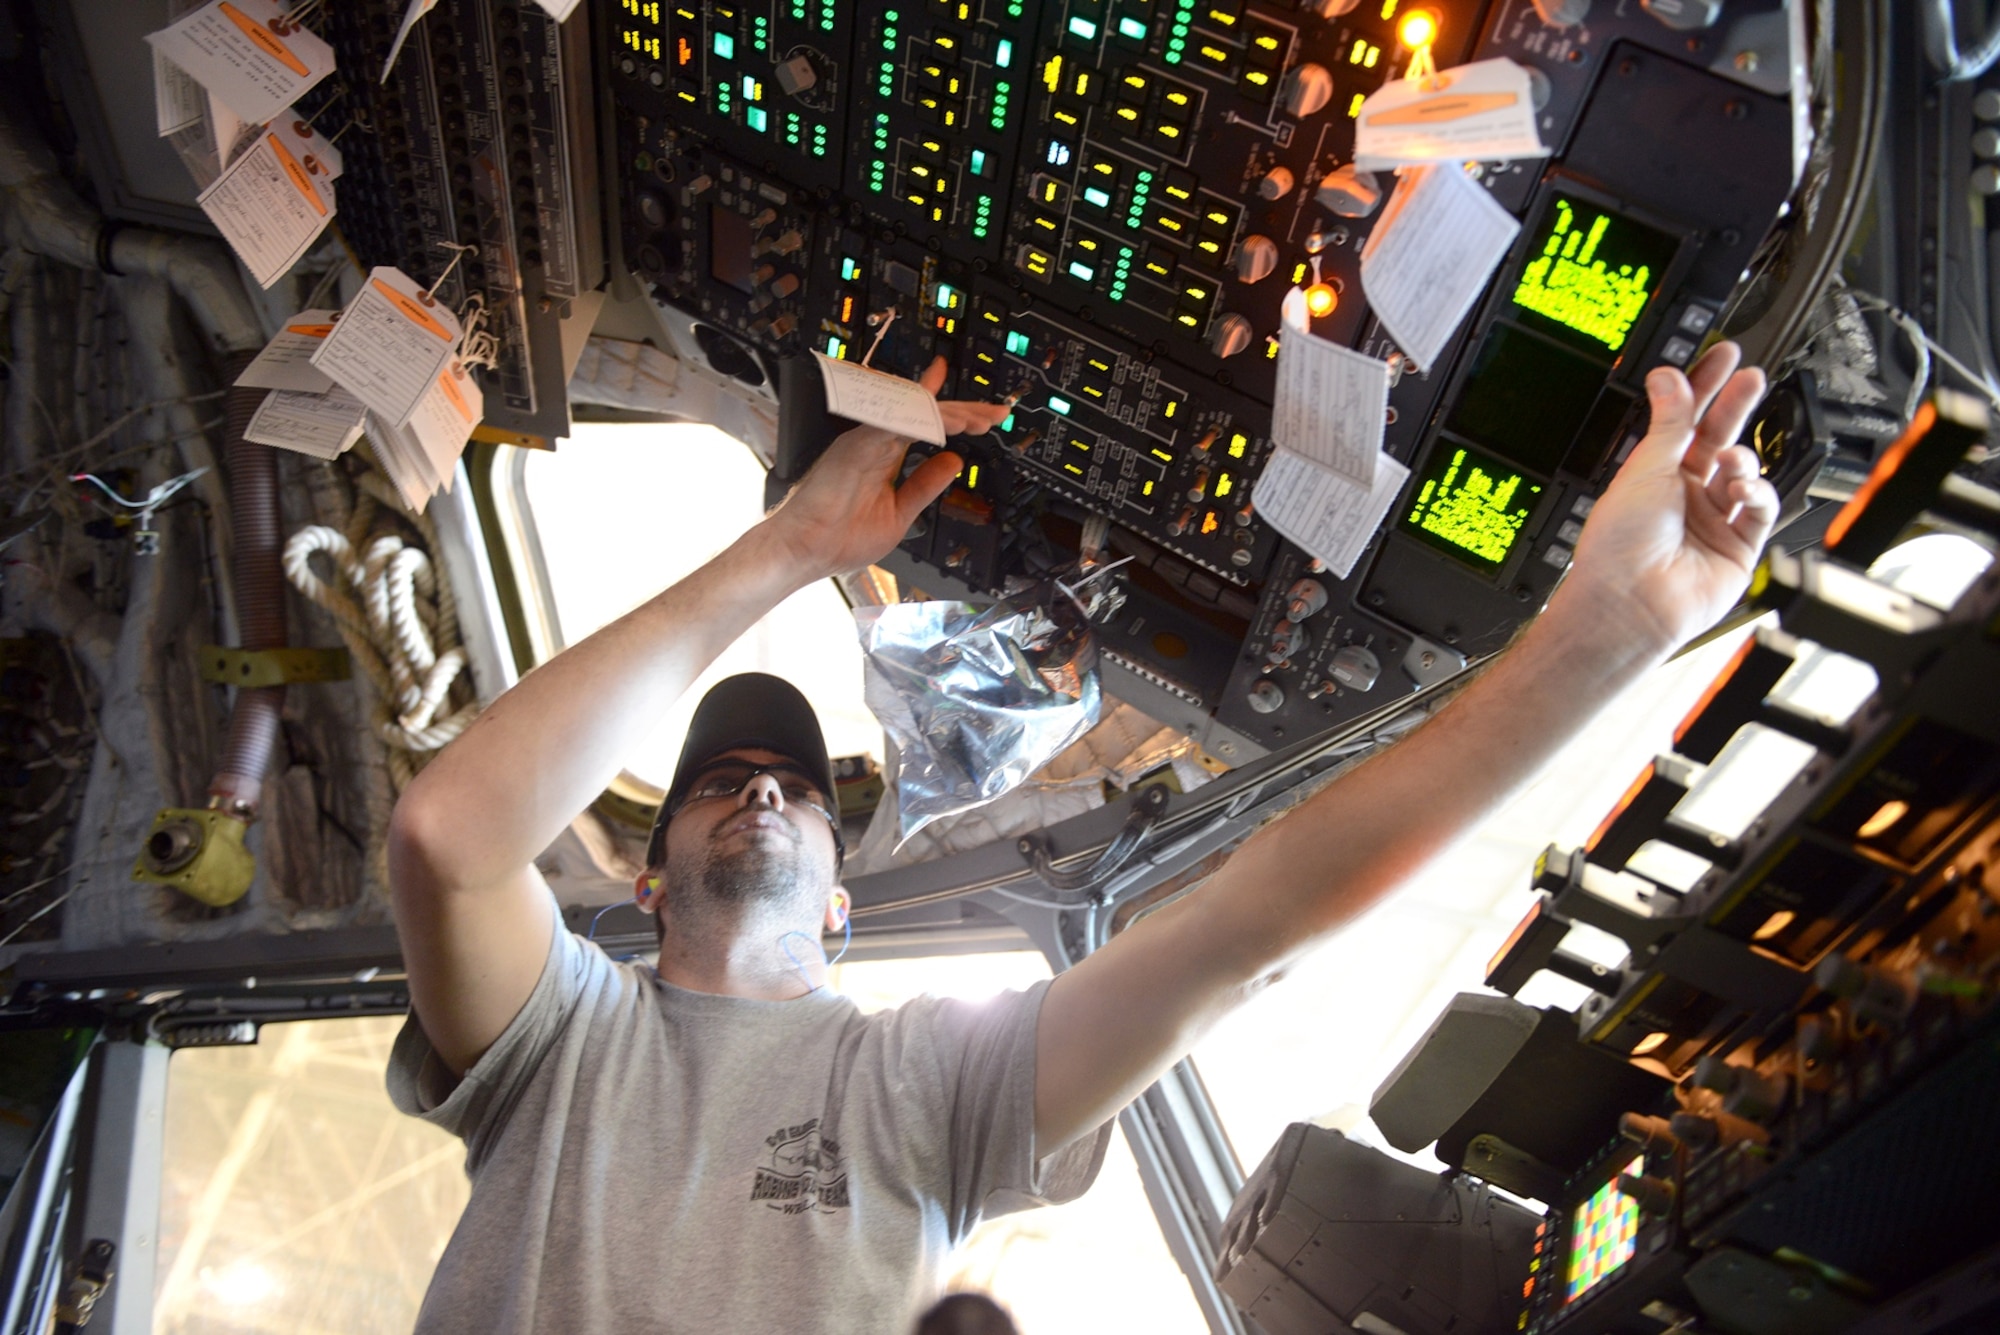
(471, 910)
(1667, 551)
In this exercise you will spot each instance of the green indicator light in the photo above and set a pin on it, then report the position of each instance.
(749, 89)
(979, 162)
(1118, 292)
(1081, 272)
(755, 118)
(1014, 9)
(725, 46)
(1172, 56)
(1003, 54)
(1595, 273)
(1058, 404)
(946, 298)
(849, 270)
(1133, 29)
(1472, 507)
(1084, 28)
(1007, 422)
(1017, 343)
(1093, 195)
(834, 348)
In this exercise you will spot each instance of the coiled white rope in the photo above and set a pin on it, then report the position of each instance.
(396, 618)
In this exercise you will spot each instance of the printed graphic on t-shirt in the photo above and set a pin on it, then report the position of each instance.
(805, 1174)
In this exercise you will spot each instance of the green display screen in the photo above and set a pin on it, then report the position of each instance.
(1593, 272)
(1471, 506)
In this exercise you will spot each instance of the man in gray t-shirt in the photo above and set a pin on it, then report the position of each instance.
(720, 1145)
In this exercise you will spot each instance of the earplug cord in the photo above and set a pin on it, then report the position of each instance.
(846, 940)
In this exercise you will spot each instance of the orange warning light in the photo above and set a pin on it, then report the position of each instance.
(1419, 28)
(1321, 299)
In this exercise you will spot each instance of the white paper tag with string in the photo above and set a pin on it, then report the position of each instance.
(286, 361)
(1328, 515)
(247, 54)
(178, 97)
(415, 10)
(390, 344)
(880, 400)
(322, 425)
(444, 420)
(1483, 112)
(270, 204)
(1430, 254)
(1330, 402)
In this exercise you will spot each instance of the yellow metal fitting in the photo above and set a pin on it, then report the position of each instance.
(199, 853)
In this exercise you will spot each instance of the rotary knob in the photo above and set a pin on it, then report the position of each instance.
(1267, 697)
(1277, 183)
(1349, 193)
(1256, 257)
(1562, 13)
(1229, 335)
(1307, 89)
(1304, 598)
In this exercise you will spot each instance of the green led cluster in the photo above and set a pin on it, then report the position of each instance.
(819, 141)
(826, 15)
(982, 218)
(1002, 90)
(1177, 35)
(794, 126)
(1569, 284)
(889, 32)
(1120, 272)
(881, 131)
(1135, 212)
(760, 32)
(885, 80)
(1015, 9)
(1476, 507)
(878, 176)
(722, 97)
(798, 11)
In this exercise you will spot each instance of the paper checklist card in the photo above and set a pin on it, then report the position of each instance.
(1430, 255)
(286, 361)
(879, 399)
(322, 425)
(1323, 512)
(247, 54)
(1331, 402)
(421, 456)
(390, 345)
(271, 203)
(1484, 111)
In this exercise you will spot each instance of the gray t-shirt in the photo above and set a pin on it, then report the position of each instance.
(646, 1158)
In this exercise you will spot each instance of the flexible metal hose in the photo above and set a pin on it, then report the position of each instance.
(257, 571)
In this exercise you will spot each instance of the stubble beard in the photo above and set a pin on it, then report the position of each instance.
(762, 877)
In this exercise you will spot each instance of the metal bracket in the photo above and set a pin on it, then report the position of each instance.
(273, 667)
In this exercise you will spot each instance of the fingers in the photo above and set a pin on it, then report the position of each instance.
(962, 419)
(1711, 372)
(925, 484)
(1705, 408)
(933, 377)
(1722, 425)
(1736, 503)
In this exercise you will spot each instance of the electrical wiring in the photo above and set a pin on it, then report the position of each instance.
(1927, 347)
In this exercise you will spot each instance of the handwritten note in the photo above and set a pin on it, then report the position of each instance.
(247, 54)
(1331, 402)
(421, 455)
(178, 97)
(1430, 255)
(1482, 111)
(322, 425)
(1323, 512)
(390, 344)
(269, 206)
(886, 401)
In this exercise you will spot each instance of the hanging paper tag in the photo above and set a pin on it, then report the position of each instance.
(444, 420)
(270, 206)
(559, 9)
(417, 9)
(402, 461)
(286, 361)
(322, 425)
(1483, 111)
(1330, 402)
(1323, 512)
(178, 98)
(320, 156)
(247, 54)
(1429, 256)
(880, 400)
(390, 344)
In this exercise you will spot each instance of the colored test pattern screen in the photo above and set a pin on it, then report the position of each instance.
(1471, 506)
(1604, 1237)
(1592, 273)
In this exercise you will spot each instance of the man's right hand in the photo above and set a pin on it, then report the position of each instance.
(849, 511)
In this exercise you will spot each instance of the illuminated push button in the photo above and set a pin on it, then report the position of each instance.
(1266, 697)
(1356, 668)
(1349, 193)
(1256, 258)
(1230, 335)
(1277, 183)
(1562, 13)
(1307, 89)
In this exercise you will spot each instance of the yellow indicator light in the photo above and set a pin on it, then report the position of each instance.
(1179, 99)
(1170, 131)
(1072, 468)
(1374, 53)
(1052, 73)
(1265, 41)
(1173, 406)
(1237, 444)
(1271, 348)
(1128, 113)
(1209, 523)
(1135, 82)
(1146, 490)
(1388, 9)
(1187, 320)
(847, 310)
(1066, 117)
(1418, 28)
(1105, 168)
(972, 478)
(1354, 107)
(1162, 455)
(1217, 216)
(1083, 83)
(948, 44)
(1299, 273)
(1222, 486)
(1321, 299)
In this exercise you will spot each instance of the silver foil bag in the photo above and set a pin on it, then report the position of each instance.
(976, 699)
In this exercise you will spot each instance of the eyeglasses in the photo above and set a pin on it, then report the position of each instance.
(731, 778)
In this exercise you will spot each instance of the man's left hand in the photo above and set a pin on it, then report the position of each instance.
(1672, 542)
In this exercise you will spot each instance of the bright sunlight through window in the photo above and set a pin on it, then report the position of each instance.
(624, 510)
